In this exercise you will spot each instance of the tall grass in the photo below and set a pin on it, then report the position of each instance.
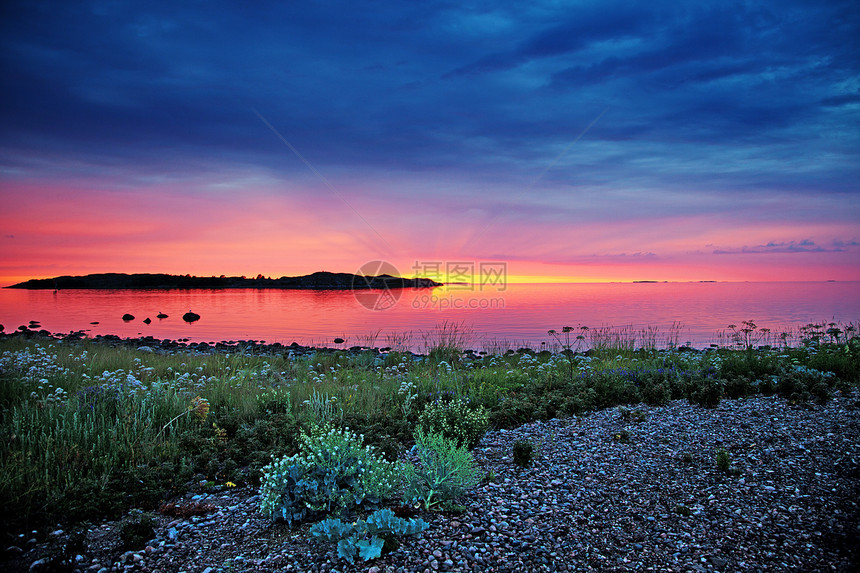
(447, 340)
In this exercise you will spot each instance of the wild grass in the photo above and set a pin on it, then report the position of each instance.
(88, 429)
(447, 341)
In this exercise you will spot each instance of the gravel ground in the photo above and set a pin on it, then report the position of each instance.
(604, 493)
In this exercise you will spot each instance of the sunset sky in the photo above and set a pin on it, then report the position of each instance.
(573, 141)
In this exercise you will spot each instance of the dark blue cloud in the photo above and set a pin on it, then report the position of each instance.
(707, 96)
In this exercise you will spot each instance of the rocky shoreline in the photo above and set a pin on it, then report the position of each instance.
(607, 491)
(167, 346)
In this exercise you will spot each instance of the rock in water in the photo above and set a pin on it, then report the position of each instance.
(126, 317)
(190, 316)
(147, 320)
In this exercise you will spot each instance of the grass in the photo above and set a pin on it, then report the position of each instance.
(90, 430)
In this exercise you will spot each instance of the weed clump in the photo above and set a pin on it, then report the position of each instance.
(621, 436)
(724, 460)
(523, 450)
(136, 529)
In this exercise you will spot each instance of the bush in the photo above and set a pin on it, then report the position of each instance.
(797, 383)
(706, 392)
(367, 539)
(455, 420)
(445, 471)
(332, 473)
(523, 450)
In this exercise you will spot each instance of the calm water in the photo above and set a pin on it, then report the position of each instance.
(520, 314)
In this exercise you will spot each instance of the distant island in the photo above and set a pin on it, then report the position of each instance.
(316, 281)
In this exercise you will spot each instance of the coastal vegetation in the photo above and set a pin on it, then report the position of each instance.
(91, 429)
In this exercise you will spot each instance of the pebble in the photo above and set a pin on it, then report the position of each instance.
(590, 503)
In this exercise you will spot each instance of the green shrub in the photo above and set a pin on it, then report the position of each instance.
(655, 385)
(841, 359)
(332, 473)
(136, 529)
(706, 392)
(445, 471)
(724, 460)
(455, 420)
(798, 383)
(523, 450)
(738, 386)
(367, 539)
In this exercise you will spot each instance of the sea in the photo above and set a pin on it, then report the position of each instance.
(482, 317)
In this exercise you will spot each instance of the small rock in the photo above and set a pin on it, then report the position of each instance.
(190, 316)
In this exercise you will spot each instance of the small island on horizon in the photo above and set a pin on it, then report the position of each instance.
(322, 280)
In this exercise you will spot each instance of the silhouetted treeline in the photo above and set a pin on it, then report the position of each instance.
(316, 281)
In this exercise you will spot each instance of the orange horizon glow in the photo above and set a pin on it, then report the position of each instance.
(54, 229)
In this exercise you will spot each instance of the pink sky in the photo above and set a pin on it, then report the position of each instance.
(249, 226)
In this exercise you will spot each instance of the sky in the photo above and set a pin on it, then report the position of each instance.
(569, 141)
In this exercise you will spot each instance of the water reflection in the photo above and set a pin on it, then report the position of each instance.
(515, 315)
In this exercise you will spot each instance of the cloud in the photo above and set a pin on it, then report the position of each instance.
(725, 115)
(802, 246)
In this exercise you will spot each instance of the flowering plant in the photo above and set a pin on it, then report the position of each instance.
(455, 420)
(332, 473)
